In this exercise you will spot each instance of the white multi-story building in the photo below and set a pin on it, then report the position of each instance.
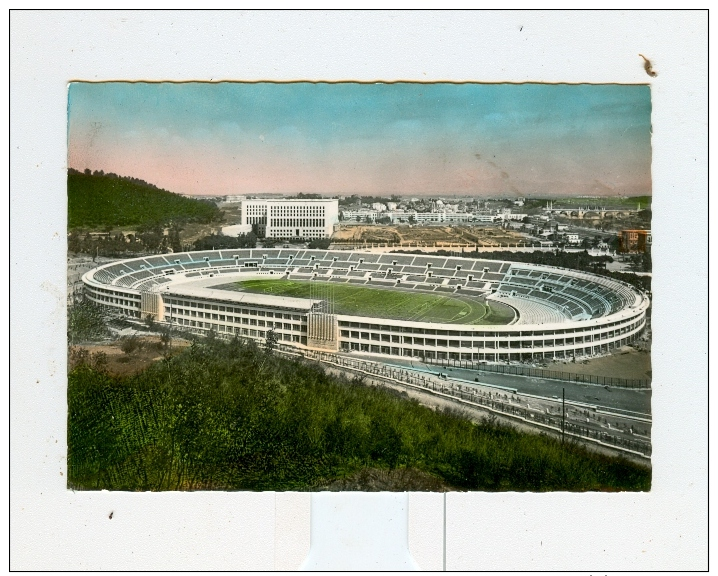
(458, 217)
(426, 217)
(360, 215)
(484, 217)
(508, 215)
(291, 217)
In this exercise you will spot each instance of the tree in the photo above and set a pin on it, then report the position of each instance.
(166, 338)
(130, 344)
(151, 236)
(247, 240)
(320, 244)
(74, 241)
(85, 322)
(174, 236)
(222, 242)
(270, 343)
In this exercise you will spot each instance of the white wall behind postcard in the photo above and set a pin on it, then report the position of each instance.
(52, 528)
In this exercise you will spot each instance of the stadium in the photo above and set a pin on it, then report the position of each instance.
(431, 307)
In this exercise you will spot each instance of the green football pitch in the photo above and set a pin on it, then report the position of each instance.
(352, 300)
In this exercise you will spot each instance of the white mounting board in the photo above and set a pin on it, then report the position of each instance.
(52, 528)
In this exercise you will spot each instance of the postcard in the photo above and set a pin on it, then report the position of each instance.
(326, 282)
(349, 286)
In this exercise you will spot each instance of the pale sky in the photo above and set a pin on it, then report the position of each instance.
(350, 138)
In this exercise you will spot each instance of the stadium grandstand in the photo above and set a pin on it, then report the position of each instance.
(391, 304)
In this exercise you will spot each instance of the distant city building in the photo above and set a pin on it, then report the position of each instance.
(235, 198)
(378, 206)
(634, 241)
(291, 218)
(429, 217)
(507, 214)
(400, 215)
(391, 205)
(458, 217)
(572, 238)
(360, 215)
(538, 219)
(484, 217)
(426, 217)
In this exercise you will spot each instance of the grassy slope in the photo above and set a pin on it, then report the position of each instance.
(97, 201)
(385, 303)
(226, 416)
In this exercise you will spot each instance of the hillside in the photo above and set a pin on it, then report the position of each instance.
(100, 200)
(232, 416)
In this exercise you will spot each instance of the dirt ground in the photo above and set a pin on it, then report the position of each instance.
(625, 363)
(120, 363)
(427, 235)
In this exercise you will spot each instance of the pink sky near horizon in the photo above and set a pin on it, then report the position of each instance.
(188, 169)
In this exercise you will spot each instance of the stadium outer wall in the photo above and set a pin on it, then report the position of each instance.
(170, 290)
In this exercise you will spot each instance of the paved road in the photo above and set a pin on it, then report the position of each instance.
(633, 401)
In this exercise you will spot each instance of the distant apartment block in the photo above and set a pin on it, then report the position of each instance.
(291, 218)
(487, 218)
(508, 215)
(634, 241)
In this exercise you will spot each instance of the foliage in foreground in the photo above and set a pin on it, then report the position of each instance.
(85, 322)
(233, 416)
